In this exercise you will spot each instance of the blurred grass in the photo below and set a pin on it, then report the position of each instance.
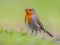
(18, 38)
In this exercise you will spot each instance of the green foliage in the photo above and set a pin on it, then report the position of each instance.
(20, 38)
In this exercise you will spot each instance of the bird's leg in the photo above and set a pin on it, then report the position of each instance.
(36, 32)
(32, 31)
(39, 30)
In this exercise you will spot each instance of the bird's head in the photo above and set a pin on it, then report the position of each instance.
(29, 11)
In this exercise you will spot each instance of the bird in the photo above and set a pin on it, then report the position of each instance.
(33, 22)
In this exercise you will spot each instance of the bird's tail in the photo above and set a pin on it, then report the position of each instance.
(44, 30)
(48, 33)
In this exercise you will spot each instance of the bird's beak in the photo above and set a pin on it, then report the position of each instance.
(25, 10)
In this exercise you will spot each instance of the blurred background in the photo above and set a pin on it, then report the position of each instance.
(12, 13)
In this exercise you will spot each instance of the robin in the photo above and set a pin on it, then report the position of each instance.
(32, 21)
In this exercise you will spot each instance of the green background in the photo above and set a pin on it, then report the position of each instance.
(12, 13)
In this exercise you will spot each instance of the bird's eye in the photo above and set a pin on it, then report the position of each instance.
(30, 9)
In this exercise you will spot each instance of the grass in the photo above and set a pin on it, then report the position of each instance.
(20, 38)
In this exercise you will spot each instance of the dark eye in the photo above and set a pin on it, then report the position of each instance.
(30, 9)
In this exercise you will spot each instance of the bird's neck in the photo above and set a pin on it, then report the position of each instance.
(29, 13)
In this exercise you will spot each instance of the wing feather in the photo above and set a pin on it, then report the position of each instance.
(37, 21)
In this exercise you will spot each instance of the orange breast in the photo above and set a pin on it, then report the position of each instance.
(28, 18)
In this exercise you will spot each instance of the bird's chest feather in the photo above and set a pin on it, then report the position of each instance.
(28, 19)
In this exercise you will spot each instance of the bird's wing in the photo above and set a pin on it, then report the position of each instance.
(36, 20)
(39, 24)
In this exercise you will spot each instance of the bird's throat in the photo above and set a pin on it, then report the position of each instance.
(29, 19)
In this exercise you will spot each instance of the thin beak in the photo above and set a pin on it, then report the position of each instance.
(25, 10)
